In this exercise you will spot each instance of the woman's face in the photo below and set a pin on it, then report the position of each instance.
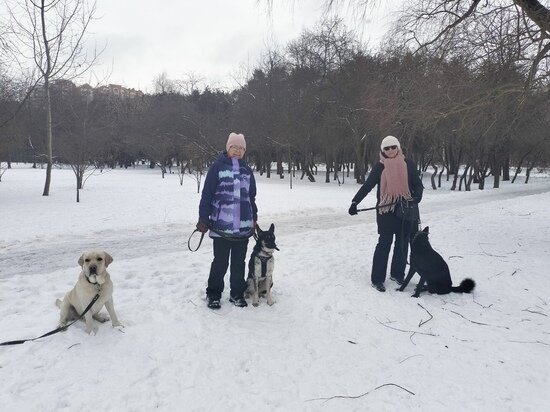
(391, 151)
(236, 151)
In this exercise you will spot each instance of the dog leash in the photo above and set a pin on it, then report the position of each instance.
(223, 235)
(200, 241)
(402, 245)
(59, 329)
(377, 207)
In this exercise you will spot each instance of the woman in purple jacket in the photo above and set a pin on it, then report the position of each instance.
(228, 209)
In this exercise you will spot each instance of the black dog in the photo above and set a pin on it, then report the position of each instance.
(261, 265)
(432, 269)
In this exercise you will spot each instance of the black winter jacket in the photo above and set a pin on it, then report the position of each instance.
(388, 222)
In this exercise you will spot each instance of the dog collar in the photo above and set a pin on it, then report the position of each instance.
(263, 258)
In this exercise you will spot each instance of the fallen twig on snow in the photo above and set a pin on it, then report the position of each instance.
(484, 307)
(413, 356)
(473, 321)
(406, 331)
(359, 396)
(489, 254)
(498, 274)
(536, 341)
(421, 321)
(534, 311)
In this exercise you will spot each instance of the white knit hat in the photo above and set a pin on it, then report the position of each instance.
(235, 139)
(390, 141)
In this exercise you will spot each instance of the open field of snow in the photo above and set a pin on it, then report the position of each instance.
(329, 333)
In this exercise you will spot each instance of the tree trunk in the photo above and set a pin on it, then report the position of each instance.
(496, 176)
(49, 150)
(468, 183)
(506, 169)
(79, 178)
(463, 179)
(528, 174)
(483, 176)
(434, 174)
(455, 179)
(280, 169)
(518, 168)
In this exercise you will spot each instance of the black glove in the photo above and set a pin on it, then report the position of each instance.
(202, 227)
(353, 209)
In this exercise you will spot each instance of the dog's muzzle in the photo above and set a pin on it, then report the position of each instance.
(270, 245)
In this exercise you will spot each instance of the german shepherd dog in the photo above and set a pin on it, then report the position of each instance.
(260, 266)
(432, 269)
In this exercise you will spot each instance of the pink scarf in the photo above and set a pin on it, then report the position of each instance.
(394, 182)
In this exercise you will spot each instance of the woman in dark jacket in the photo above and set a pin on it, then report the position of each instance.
(228, 209)
(397, 179)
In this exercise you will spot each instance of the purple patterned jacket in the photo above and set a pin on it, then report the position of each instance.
(228, 200)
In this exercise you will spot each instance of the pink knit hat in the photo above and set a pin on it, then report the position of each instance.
(235, 139)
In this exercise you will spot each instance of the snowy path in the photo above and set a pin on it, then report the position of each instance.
(27, 258)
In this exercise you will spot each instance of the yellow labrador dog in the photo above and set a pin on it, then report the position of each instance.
(93, 279)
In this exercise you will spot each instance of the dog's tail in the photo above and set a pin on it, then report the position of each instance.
(58, 303)
(466, 286)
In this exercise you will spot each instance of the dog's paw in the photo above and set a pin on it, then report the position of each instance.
(399, 289)
(100, 317)
(92, 331)
(416, 295)
(270, 302)
(255, 304)
(117, 325)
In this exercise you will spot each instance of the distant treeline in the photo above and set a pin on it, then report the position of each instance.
(324, 98)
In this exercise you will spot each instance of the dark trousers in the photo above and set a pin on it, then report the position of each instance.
(223, 248)
(382, 253)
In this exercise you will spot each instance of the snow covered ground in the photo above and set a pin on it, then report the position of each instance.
(330, 342)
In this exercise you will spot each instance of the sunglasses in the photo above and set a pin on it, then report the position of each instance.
(388, 148)
(239, 148)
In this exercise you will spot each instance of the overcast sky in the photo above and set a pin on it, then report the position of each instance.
(213, 39)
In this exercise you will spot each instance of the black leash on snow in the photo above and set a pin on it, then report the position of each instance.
(226, 236)
(59, 329)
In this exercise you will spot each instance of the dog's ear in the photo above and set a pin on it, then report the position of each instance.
(108, 259)
(272, 228)
(258, 229)
(426, 230)
(81, 260)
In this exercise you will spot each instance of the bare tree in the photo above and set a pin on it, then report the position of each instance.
(83, 128)
(459, 10)
(162, 84)
(51, 35)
